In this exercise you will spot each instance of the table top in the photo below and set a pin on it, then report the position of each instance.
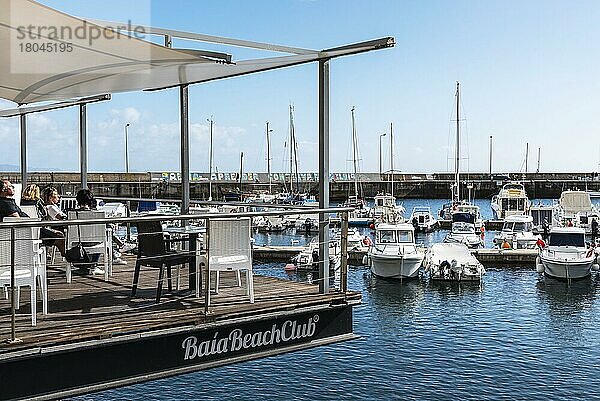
(185, 230)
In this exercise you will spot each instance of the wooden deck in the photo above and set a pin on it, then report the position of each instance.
(91, 309)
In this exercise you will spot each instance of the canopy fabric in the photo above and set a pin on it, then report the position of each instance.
(109, 64)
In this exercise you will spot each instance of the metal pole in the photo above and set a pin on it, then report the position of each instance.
(126, 148)
(210, 159)
(526, 156)
(392, 157)
(23, 118)
(241, 170)
(83, 145)
(324, 174)
(457, 164)
(538, 163)
(185, 149)
(269, 159)
(13, 330)
(491, 157)
(380, 162)
(207, 275)
(344, 251)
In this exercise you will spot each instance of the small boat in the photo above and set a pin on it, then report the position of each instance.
(566, 255)
(463, 231)
(452, 262)
(385, 209)
(542, 214)
(395, 254)
(307, 259)
(575, 209)
(517, 232)
(422, 219)
(511, 200)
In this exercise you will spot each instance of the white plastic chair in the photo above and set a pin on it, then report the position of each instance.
(30, 210)
(90, 233)
(30, 263)
(229, 249)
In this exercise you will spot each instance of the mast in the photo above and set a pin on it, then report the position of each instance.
(354, 154)
(269, 159)
(457, 166)
(392, 156)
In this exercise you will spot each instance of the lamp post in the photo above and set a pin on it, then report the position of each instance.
(380, 166)
(210, 159)
(126, 148)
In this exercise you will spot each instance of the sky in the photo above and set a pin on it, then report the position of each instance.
(528, 73)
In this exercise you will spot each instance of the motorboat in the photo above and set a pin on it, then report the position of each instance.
(575, 209)
(542, 215)
(355, 241)
(422, 219)
(517, 232)
(386, 210)
(452, 262)
(308, 258)
(463, 230)
(566, 255)
(394, 253)
(511, 200)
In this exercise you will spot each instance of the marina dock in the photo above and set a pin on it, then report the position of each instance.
(511, 257)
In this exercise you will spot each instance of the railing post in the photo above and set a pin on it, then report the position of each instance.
(13, 333)
(207, 278)
(128, 224)
(344, 251)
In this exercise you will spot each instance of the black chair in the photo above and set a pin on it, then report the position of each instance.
(155, 251)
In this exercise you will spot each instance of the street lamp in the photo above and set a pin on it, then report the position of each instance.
(126, 148)
(380, 167)
(210, 159)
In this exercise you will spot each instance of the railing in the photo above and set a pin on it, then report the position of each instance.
(184, 220)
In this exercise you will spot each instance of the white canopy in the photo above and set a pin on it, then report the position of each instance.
(82, 65)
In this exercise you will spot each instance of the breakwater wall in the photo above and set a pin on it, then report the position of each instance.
(405, 185)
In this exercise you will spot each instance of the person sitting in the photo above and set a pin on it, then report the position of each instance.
(31, 197)
(51, 201)
(86, 201)
(8, 206)
(506, 244)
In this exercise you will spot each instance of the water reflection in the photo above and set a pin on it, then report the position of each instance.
(401, 296)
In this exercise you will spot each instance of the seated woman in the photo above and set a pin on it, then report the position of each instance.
(51, 203)
(86, 201)
(50, 236)
(31, 197)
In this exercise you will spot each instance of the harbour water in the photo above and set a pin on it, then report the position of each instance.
(518, 335)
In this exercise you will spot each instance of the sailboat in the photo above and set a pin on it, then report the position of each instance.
(385, 208)
(360, 216)
(452, 260)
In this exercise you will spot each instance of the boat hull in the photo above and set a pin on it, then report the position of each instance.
(396, 266)
(567, 269)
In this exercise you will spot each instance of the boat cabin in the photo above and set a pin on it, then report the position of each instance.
(518, 224)
(567, 236)
(395, 234)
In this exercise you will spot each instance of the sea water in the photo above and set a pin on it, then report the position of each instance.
(515, 336)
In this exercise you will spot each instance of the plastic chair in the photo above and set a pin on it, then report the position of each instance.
(155, 251)
(30, 263)
(230, 249)
(95, 238)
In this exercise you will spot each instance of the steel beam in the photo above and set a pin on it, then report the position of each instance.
(324, 174)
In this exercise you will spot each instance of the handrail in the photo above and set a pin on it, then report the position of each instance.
(204, 202)
(51, 223)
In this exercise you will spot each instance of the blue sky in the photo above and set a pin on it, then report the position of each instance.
(528, 73)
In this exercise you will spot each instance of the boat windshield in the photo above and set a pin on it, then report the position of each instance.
(393, 236)
(461, 227)
(565, 239)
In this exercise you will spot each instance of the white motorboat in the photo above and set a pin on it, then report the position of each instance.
(566, 255)
(307, 258)
(511, 200)
(517, 232)
(422, 219)
(452, 262)
(543, 214)
(385, 209)
(575, 208)
(395, 254)
(463, 231)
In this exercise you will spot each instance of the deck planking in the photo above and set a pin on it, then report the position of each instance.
(90, 308)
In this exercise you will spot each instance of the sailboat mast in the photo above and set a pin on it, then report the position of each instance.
(392, 156)
(269, 158)
(354, 153)
(291, 150)
(457, 166)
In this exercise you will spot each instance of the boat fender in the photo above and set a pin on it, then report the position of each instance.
(365, 260)
(539, 266)
(589, 253)
(595, 267)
